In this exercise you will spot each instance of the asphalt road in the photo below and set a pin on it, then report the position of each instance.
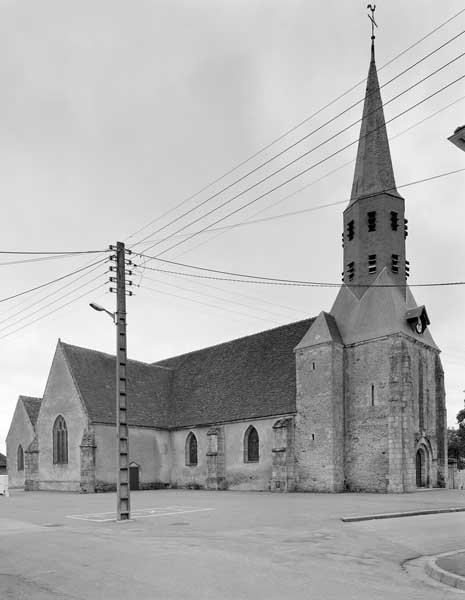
(223, 545)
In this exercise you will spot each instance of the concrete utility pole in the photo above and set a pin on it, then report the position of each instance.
(122, 475)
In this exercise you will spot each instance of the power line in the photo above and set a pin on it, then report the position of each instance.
(47, 305)
(225, 228)
(215, 297)
(318, 207)
(292, 309)
(55, 252)
(279, 186)
(292, 129)
(29, 306)
(53, 311)
(229, 310)
(42, 285)
(247, 278)
(338, 133)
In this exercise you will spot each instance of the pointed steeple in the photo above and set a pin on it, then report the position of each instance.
(373, 167)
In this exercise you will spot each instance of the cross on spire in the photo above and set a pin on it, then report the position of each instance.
(372, 19)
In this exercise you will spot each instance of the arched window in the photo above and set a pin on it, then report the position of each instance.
(20, 458)
(251, 445)
(60, 442)
(191, 450)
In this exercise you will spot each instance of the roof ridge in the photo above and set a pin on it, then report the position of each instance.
(147, 364)
(250, 335)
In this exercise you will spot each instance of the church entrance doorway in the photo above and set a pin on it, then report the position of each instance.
(134, 477)
(421, 469)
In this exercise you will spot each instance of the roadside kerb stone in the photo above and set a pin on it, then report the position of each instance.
(436, 572)
(396, 515)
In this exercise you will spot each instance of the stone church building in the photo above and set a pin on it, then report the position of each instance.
(350, 400)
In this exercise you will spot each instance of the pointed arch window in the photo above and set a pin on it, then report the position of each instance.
(60, 441)
(191, 450)
(251, 445)
(20, 458)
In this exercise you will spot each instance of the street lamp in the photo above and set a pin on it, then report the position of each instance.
(96, 306)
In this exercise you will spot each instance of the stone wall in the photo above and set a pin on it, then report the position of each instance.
(60, 398)
(393, 402)
(319, 419)
(149, 448)
(20, 432)
(238, 474)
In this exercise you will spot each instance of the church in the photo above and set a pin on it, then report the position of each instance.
(350, 400)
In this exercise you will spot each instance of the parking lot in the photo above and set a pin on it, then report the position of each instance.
(232, 545)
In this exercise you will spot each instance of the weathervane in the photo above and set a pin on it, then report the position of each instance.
(372, 19)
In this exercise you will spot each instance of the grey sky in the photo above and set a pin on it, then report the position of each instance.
(113, 112)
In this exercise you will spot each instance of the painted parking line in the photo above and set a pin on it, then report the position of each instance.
(158, 511)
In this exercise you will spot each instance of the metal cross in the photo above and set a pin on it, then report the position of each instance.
(372, 19)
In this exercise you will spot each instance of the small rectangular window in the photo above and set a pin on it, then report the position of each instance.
(372, 263)
(350, 230)
(372, 395)
(394, 221)
(395, 263)
(372, 220)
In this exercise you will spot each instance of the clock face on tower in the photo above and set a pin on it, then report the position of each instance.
(419, 326)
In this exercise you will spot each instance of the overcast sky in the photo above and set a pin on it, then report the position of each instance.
(113, 112)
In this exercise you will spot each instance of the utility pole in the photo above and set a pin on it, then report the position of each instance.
(122, 475)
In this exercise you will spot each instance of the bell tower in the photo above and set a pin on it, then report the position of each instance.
(374, 224)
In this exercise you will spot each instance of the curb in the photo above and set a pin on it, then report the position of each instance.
(443, 576)
(396, 515)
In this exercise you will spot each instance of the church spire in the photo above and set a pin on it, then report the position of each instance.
(373, 168)
(374, 223)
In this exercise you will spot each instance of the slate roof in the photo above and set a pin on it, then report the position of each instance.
(32, 406)
(373, 166)
(149, 387)
(249, 377)
(381, 311)
(2, 460)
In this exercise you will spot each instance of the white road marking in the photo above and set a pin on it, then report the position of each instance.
(162, 511)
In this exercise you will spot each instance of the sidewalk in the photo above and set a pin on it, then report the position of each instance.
(448, 568)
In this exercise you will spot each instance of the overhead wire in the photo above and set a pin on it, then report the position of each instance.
(250, 221)
(51, 282)
(228, 300)
(265, 279)
(53, 311)
(327, 205)
(41, 308)
(308, 135)
(56, 291)
(294, 177)
(295, 127)
(229, 310)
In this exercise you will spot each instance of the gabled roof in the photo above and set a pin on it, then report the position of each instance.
(148, 387)
(323, 329)
(32, 406)
(246, 378)
(373, 167)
